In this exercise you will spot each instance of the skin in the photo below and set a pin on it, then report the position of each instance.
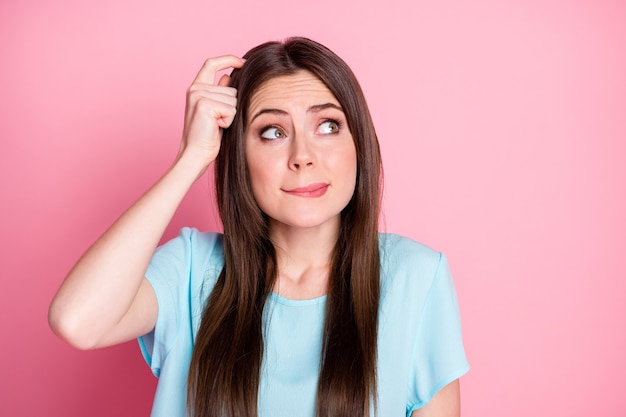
(298, 137)
(446, 403)
(105, 299)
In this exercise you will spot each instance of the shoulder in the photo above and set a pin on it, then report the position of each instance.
(400, 253)
(198, 240)
(191, 255)
(203, 253)
(192, 244)
(408, 270)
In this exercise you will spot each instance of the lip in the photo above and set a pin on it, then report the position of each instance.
(317, 189)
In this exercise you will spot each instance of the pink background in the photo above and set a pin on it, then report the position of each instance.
(503, 129)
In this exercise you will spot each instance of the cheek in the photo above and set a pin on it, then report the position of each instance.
(259, 162)
(346, 159)
(346, 166)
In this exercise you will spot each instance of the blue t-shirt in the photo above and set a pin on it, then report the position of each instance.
(420, 349)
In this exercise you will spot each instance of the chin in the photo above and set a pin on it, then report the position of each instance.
(305, 221)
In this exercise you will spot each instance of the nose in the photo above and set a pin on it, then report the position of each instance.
(302, 154)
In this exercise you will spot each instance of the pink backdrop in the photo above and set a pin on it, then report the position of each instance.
(503, 128)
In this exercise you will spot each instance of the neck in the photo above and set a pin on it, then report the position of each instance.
(304, 257)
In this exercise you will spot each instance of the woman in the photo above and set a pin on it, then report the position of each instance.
(301, 307)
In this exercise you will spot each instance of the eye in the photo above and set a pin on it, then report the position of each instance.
(329, 127)
(272, 132)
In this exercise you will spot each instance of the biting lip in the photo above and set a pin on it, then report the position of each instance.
(312, 190)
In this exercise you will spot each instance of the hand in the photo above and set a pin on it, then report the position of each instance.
(209, 109)
(105, 298)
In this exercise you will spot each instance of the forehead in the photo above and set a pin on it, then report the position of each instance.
(299, 89)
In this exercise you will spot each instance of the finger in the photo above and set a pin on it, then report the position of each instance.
(213, 94)
(211, 109)
(195, 96)
(224, 116)
(225, 121)
(211, 66)
(224, 81)
(211, 88)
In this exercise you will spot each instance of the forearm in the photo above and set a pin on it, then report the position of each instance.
(101, 288)
(104, 299)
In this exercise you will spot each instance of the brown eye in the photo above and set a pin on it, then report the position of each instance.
(273, 133)
(329, 127)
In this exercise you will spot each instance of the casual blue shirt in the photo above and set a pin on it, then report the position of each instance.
(420, 349)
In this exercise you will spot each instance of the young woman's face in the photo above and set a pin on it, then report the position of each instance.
(300, 152)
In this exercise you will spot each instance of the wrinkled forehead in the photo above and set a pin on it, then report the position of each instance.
(300, 89)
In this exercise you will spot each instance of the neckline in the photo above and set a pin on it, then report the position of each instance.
(277, 298)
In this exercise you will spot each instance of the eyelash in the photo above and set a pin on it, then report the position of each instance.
(264, 129)
(336, 122)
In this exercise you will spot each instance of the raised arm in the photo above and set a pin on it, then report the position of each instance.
(105, 299)
(446, 403)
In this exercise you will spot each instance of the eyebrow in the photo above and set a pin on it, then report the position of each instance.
(313, 109)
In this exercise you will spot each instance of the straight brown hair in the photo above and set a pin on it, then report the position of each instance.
(225, 368)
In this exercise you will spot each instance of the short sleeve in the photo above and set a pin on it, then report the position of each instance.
(182, 273)
(438, 356)
(168, 274)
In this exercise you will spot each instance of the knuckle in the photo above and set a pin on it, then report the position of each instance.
(203, 103)
(193, 88)
(194, 95)
(210, 62)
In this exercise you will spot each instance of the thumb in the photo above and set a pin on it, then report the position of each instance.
(224, 80)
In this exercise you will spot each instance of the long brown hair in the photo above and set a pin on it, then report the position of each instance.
(225, 367)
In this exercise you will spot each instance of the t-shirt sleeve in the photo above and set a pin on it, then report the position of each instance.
(439, 356)
(169, 275)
